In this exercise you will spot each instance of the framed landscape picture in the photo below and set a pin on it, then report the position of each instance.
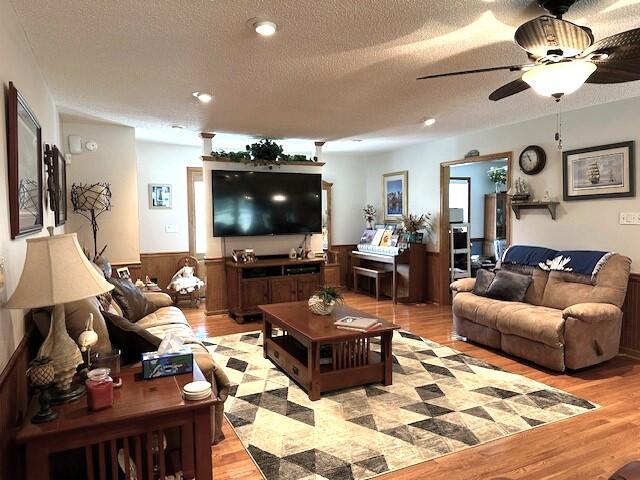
(606, 171)
(160, 195)
(395, 195)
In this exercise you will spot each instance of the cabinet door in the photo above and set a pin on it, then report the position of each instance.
(282, 290)
(254, 292)
(307, 285)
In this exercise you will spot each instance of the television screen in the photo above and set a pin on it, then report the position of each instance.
(265, 203)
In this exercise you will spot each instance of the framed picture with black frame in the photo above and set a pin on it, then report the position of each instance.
(24, 140)
(56, 183)
(606, 171)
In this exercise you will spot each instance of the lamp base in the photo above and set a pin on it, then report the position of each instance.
(46, 413)
(74, 392)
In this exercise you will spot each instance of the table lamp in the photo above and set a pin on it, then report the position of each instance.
(57, 272)
(91, 201)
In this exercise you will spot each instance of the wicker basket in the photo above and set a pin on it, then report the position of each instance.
(318, 307)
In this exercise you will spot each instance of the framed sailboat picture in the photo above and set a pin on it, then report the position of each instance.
(606, 171)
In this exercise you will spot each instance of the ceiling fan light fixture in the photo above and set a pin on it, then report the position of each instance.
(557, 79)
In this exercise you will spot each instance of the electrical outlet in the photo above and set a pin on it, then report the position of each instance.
(171, 228)
(629, 218)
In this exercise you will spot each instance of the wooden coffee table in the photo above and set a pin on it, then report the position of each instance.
(320, 357)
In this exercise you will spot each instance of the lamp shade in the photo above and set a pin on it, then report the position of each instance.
(56, 272)
(560, 78)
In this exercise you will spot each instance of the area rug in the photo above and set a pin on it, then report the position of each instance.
(441, 401)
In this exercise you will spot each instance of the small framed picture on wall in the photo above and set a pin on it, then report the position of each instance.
(395, 195)
(606, 171)
(160, 195)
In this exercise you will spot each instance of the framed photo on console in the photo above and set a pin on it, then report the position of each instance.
(24, 140)
(607, 171)
(395, 195)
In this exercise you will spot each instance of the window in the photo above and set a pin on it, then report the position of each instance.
(460, 200)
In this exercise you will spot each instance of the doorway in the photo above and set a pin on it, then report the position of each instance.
(475, 220)
(196, 201)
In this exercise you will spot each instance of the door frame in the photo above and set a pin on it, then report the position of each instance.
(443, 226)
(191, 210)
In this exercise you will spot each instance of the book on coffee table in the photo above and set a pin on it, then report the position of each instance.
(358, 324)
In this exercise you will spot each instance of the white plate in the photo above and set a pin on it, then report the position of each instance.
(200, 396)
(196, 387)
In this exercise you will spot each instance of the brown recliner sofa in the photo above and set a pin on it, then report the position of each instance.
(567, 320)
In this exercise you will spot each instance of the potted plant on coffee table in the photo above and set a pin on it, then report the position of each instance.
(324, 300)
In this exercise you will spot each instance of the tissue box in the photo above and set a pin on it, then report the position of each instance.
(155, 365)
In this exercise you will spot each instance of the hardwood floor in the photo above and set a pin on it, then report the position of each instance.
(590, 446)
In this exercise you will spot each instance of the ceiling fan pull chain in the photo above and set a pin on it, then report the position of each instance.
(559, 126)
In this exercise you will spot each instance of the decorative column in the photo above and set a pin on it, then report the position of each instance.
(207, 142)
(318, 153)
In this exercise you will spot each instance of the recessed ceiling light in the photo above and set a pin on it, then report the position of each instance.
(177, 127)
(203, 96)
(429, 122)
(265, 28)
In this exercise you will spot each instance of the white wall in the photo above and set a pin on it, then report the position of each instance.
(480, 186)
(18, 65)
(164, 163)
(588, 224)
(113, 162)
(347, 172)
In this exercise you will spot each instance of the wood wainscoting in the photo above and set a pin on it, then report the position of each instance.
(630, 338)
(432, 294)
(344, 260)
(216, 296)
(14, 400)
(161, 266)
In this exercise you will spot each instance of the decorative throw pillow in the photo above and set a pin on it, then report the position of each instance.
(509, 286)
(131, 339)
(483, 280)
(133, 303)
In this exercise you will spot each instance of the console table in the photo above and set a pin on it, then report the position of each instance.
(270, 280)
(142, 412)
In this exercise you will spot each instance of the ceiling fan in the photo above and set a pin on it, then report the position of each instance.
(563, 56)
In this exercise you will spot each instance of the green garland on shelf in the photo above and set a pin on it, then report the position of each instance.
(265, 153)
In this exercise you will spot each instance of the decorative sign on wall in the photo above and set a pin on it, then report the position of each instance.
(395, 195)
(605, 171)
(160, 195)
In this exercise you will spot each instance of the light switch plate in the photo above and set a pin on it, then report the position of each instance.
(171, 228)
(629, 218)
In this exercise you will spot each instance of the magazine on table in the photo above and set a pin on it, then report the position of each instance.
(360, 324)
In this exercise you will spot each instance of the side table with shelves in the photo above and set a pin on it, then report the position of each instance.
(135, 426)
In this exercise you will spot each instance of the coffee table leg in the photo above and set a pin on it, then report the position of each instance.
(313, 360)
(266, 333)
(387, 357)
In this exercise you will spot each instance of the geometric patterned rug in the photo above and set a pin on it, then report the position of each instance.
(441, 401)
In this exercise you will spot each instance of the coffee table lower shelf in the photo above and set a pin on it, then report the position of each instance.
(325, 366)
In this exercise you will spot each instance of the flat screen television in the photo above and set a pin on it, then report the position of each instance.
(265, 203)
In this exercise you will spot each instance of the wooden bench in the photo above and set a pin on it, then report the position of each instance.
(376, 274)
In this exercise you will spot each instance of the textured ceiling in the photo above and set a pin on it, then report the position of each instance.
(336, 69)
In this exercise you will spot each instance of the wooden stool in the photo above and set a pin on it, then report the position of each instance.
(369, 273)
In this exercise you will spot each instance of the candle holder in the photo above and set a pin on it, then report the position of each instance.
(41, 375)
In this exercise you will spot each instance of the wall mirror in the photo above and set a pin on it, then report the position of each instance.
(326, 215)
(25, 166)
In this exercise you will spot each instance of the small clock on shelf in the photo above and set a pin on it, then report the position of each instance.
(532, 160)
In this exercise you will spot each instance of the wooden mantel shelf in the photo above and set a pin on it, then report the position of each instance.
(550, 206)
(209, 158)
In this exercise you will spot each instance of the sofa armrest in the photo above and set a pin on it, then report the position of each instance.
(593, 312)
(159, 299)
(463, 285)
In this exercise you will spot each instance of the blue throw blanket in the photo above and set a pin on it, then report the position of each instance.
(587, 262)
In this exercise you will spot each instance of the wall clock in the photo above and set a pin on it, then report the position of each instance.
(532, 160)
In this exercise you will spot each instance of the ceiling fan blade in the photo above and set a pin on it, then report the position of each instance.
(512, 68)
(620, 49)
(607, 75)
(509, 89)
(545, 33)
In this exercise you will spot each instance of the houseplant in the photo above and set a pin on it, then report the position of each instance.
(324, 300)
(413, 223)
(264, 153)
(369, 214)
(498, 175)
